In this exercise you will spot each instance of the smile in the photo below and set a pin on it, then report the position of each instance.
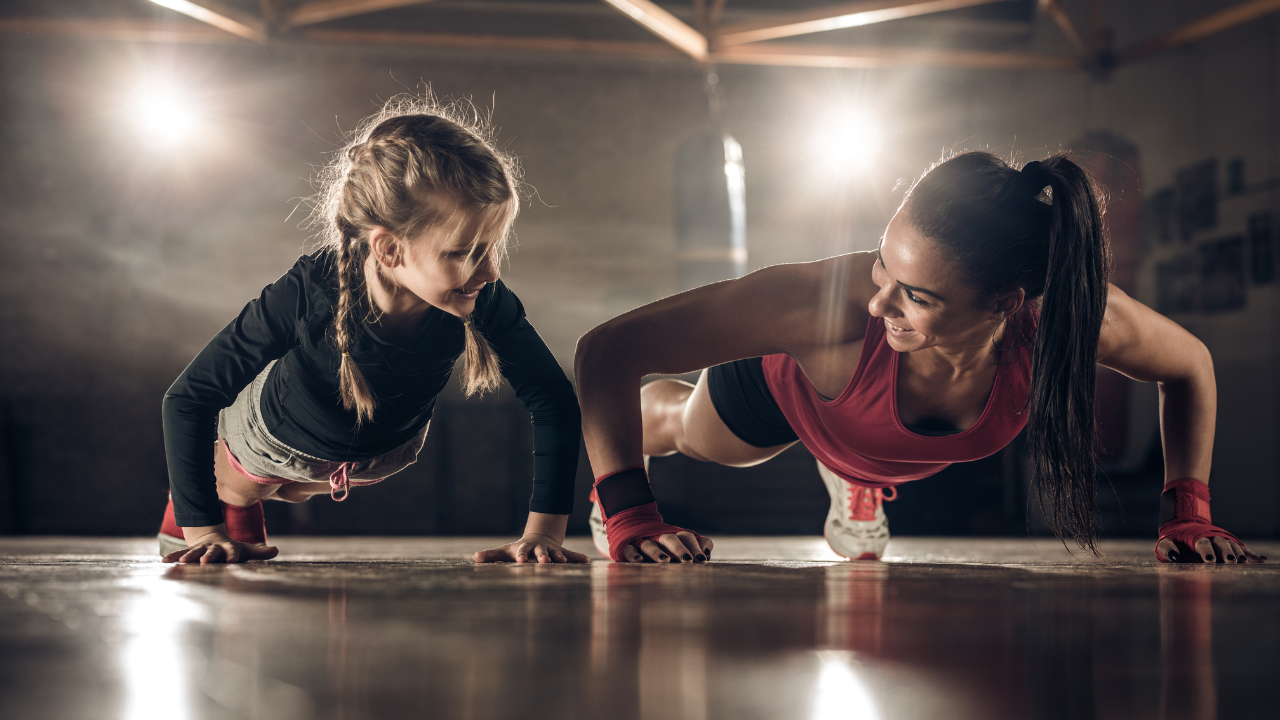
(895, 328)
(468, 294)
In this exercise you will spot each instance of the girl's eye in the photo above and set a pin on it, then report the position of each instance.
(912, 297)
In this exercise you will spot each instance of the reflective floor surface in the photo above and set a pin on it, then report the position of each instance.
(774, 628)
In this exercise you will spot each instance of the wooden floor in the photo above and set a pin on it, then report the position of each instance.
(773, 628)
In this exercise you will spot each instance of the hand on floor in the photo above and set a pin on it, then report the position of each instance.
(683, 546)
(218, 548)
(531, 548)
(1207, 550)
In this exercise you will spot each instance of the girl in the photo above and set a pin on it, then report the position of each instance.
(327, 381)
(984, 309)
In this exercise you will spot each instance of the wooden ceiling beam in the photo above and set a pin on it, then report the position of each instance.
(664, 25)
(553, 45)
(223, 17)
(765, 54)
(326, 10)
(119, 30)
(837, 56)
(1054, 9)
(1199, 29)
(834, 17)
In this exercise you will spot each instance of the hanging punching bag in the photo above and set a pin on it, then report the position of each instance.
(710, 203)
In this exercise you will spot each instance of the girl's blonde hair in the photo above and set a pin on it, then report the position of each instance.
(411, 166)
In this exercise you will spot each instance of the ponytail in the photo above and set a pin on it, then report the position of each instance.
(1005, 233)
(480, 368)
(1062, 430)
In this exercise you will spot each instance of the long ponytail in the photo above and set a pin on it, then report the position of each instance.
(1005, 232)
(1062, 429)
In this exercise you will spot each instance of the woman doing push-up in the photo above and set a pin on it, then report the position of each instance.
(985, 309)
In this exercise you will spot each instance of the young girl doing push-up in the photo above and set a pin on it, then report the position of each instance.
(327, 381)
(984, 310)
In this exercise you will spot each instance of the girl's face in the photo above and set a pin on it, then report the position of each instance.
(923, 301)
(449, 264)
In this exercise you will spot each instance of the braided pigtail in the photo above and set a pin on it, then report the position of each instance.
(417, 164)
(481, 372)
(355, 391)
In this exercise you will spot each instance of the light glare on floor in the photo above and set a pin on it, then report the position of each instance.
(839, 694)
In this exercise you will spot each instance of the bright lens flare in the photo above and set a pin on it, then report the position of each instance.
(163, 113)
(839, 694)
(846, 141)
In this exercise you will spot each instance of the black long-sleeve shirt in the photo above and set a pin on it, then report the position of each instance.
(292, 321)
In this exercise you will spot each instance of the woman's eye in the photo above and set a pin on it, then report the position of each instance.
(912, 297)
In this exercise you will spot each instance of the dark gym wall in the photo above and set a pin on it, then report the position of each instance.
(119, 262)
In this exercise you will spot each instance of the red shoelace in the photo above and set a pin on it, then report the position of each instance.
(863, 501)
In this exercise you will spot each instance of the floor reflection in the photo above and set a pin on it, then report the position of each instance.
(404, 637)
(155, 658)
(1187, 678)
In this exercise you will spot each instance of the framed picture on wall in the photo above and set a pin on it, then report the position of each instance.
(1197, 198)
(1262, 249)
(1161, 213)
(1222, 274)
(1177, 281)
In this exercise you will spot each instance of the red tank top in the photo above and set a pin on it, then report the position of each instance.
(859, 435)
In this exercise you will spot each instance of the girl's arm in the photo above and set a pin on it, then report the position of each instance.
(264, 331)
(1146, 346)
(547, 394)
(785, 309)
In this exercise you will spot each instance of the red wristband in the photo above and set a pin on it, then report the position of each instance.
(634, 522)
(1184, 512)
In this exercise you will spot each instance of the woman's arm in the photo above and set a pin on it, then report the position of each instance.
(1149, 347)
(1146, 346)
(784, 309)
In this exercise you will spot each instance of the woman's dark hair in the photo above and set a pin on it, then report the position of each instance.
(1005, 232)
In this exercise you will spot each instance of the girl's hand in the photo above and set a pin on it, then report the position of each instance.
(533, 547)
(218, 548)
(683, 546)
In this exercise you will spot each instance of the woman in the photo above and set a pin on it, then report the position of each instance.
(984, 309)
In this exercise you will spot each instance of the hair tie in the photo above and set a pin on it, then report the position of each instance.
(466, 321)
(1033, 177)
(346, 355)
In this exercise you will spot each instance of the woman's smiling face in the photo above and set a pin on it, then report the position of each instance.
(923, 300)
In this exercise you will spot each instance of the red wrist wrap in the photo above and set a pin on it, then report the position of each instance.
(245, 524)
(633, 525)
(1190, 521)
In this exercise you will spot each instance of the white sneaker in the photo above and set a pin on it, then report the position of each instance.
(596, 521)
(856, 526)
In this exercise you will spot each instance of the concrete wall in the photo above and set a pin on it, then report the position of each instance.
(120, 261)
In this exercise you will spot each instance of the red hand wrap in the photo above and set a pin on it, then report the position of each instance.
(634, 525)
(1191, 520)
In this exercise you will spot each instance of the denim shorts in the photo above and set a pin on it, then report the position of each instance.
(259, 456)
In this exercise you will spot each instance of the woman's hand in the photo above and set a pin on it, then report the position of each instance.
(1207, 550)
(683, 546)
(216, 547)
(533, 547)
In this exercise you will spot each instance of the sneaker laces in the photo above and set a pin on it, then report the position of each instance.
(863, 501)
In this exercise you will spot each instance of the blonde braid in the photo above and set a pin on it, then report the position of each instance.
(355, 391)
(480, 362)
